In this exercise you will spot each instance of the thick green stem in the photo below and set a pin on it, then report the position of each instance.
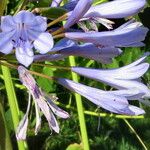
(3, 4)
(80, 109)
(5, 142)
(12, 102)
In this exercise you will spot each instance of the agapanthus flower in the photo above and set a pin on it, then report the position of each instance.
(66, 47)
(129, 34)
(116, 103)
(116, 9)
(42, 103)
(22, 32)
(127, 77)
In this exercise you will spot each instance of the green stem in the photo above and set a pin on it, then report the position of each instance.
(5, 142)
(138, 137)
(80, 109)
(12, 102)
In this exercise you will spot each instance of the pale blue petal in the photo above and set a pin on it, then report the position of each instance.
(116, 9)
(47, 113)
(38, 118)
(39, 24)
(78, 12)
(6, 44)
(90, 51)
(22, 127)
(7, 23)
(23, 57)
(44, 43)
(101, 98)
(63, 44)
(127, 36)
(56, 3)
(56, 110)
(24, 17)
(136, 110)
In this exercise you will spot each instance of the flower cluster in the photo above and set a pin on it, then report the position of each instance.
(26, 31)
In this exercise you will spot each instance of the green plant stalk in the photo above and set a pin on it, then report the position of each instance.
(80, 109)
(5, 142)
(138, 137)
(12, 102)
(3, 4)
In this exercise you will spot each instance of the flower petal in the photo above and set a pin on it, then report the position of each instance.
(58, 111)
(111, 102)
(22, 127)
(6, 44)
(23, 57)
(44, 43)
(24, 17)
(7, 24)
(38, 118)
(39, 24)
(78, 12)
(90, 51)
(116, 9)
(62, 44)
(55, 3)
(49, 57)
(120, 38)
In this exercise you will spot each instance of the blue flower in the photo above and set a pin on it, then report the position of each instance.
(22, 32)
(127, 77)
(129, 34)
(114, 102)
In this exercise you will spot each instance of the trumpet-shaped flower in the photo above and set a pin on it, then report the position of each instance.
(116, 9)
(46, 105)
(23, 32)
(66, 47)
(126, 77)
(110, 101)
(128, 35)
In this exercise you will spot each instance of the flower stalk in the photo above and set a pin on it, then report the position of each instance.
(80, 109)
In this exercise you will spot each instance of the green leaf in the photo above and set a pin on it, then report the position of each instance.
(45, 84)
(42, 3)
(52, 13)
(74, 146)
